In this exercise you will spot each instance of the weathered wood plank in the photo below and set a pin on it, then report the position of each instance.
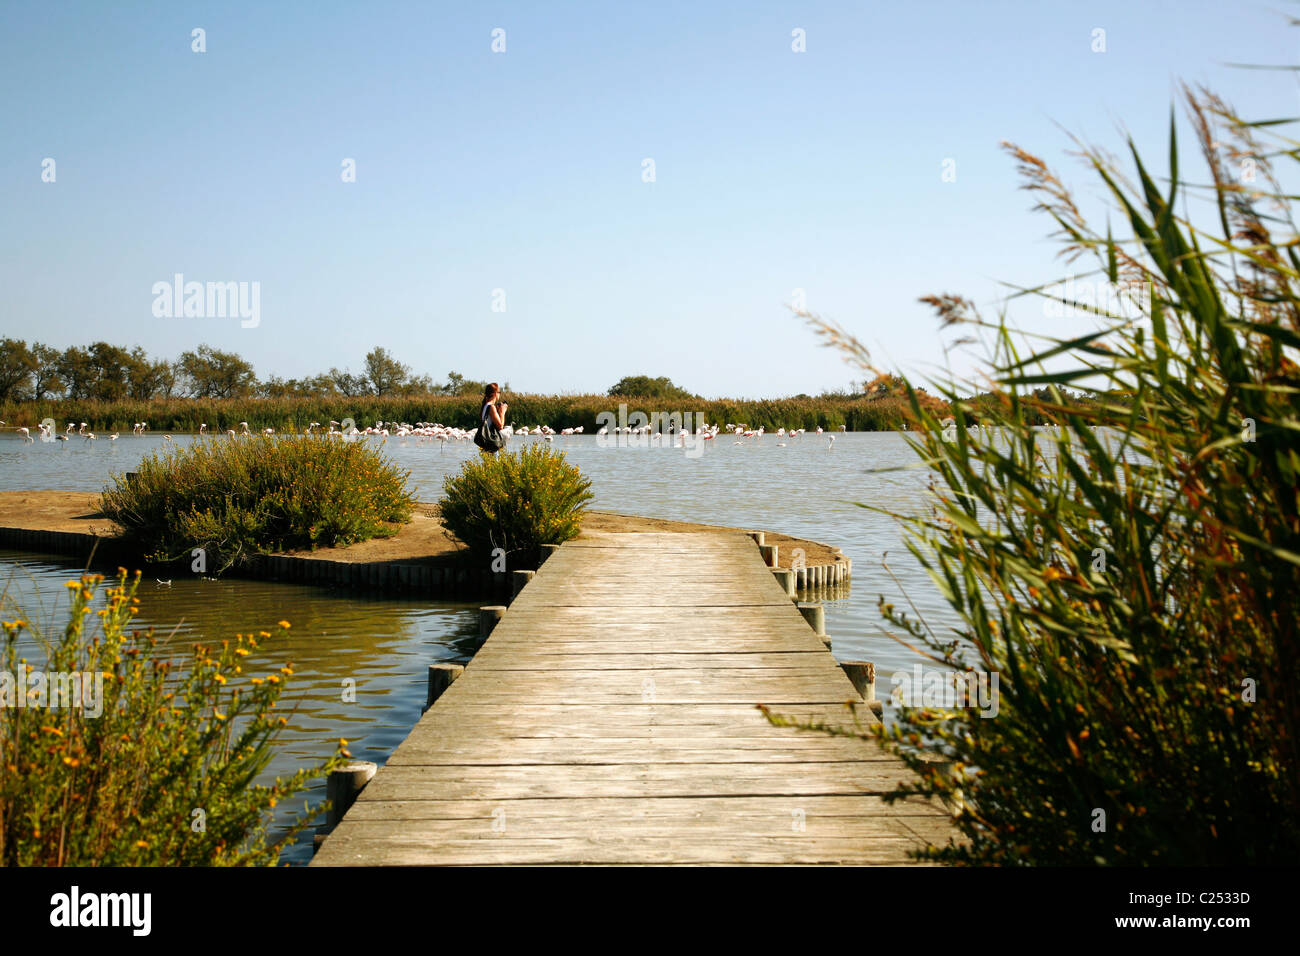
(611, 718)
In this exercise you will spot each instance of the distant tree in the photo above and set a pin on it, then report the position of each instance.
(418, 385)
(883, 385)
(458, 384)
(149, 379)
(112, 365)
(77, 370)
(385, 374)
(17, 363)
(348, 384)
(643, 386)
(210, 373)
(45, 375)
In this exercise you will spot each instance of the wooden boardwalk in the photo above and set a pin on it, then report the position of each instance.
(611, 719)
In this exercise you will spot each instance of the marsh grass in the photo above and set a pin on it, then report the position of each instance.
(1131, 572)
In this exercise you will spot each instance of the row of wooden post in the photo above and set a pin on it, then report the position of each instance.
(862, 674)
(345, 784)
(805, 577)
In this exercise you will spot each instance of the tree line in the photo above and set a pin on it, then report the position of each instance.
(106, 372)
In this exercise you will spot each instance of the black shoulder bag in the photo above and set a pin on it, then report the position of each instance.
(489, 437)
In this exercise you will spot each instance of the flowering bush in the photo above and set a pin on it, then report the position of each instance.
(515, 501)
(152, 762)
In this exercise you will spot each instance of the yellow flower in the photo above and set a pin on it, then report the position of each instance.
(284, 624)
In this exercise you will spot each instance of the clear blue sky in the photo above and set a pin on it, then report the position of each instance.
(523, 171)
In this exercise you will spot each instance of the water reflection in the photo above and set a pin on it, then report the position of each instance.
(383, 645)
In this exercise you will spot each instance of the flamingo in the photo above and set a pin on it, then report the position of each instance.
(244, 426)
(27, 435)
(203, 427)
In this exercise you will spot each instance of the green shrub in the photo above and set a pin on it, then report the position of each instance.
(1132, 572)
(155, 768)
(236, 497)
(516, 501)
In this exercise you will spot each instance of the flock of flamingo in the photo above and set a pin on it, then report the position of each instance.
(434, 430)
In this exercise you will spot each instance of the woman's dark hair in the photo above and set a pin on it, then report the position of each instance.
(489, 390)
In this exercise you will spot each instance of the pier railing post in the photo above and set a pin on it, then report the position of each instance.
(518, 581)
(815, 615)
(863, 676)
(440, 678)
(488, 617)
(546, 551)
(785, 578)
(343, 785)
(758, 537)
(769, 552)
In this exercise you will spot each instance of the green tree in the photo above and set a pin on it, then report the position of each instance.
(45, 374)
(110, 368)
(78, 372)
(385, 374)
(643, 386)
(148, 379)
(210, 373)
(458, 384)
(345, 383)
(17, 363)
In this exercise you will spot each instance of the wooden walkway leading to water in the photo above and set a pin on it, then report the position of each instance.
(610, 718)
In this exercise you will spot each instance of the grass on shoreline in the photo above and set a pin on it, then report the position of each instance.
(293, 415)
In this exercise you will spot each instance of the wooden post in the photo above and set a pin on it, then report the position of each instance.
(863, 676)
(343, 785)
(758, 537)
(815, 615)
(440, 678)
(488, 617)
(518, 581)
(547, 550)
(769, 554)
(785, 578)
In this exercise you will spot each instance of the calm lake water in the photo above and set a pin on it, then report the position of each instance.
(803, 486)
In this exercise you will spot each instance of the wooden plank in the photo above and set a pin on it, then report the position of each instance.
(612, 718)
(760, 812)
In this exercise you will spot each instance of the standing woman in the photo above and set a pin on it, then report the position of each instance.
(492, 418)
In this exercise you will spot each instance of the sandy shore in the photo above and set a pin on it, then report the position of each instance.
(423, 540)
